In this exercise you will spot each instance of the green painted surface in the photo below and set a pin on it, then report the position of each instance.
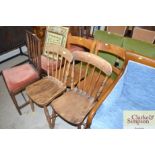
(108, 38)
(140, 47)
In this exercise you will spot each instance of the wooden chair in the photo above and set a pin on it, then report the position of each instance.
(119, 30)
(19, 77)
(53, 85)
(74, 105)
(75, 43)
(143, 34)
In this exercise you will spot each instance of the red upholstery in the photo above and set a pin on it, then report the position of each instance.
(19, 77)
(76, 48)
(44, 63)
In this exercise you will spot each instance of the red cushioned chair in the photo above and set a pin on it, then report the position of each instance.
(19, 77)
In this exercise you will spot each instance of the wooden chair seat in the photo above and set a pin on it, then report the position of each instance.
(18, 77)
(45, 90)
(72, 107)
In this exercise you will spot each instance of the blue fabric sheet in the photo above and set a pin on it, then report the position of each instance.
(134, 91)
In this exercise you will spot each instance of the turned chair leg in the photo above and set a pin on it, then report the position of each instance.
(79, 126)
(31, 104)
(15, 103)
(54, 115)
(48, 117)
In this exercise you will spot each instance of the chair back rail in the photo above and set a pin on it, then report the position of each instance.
(83, 42)
(91, 63)
(113, 50)
(34, 52)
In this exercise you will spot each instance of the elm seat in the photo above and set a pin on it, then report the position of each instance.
(74, 111)
(134, 91)
(45, 90)
(18, 77)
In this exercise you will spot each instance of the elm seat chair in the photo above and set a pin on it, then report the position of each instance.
(143, 34)
(19, 77)
(74, 105)
(119, 30)
(75, 43)
(115, 55)
(53, 85)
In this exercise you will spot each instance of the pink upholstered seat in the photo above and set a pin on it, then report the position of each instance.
(19, 77)
(44, 63)
(76, 48)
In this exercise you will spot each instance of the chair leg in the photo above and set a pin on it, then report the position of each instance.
(79, 126)
(48, 117)
(31, 104)
(15, 103)
(54, 115)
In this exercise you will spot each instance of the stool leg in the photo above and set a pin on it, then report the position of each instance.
(48, 117)
(15, 103)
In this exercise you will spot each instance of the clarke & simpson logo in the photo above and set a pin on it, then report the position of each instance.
(139, 119)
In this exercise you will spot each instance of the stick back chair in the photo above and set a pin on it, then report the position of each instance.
(117, 54)
(19, 77)
(143, 34)
(120, 30)
(53, 85)
(74, 105)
